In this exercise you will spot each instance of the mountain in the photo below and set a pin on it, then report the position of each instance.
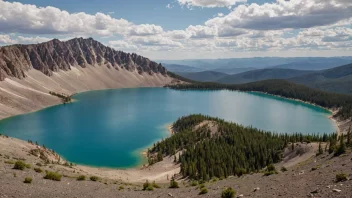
(316, 64)
(55, 55)
(338, 79)
(205, 76)
(29, 72)
(299, 63)
(233, 70)
(181, 68)
(261, 74)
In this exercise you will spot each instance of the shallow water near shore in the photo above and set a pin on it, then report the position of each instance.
(109, 128)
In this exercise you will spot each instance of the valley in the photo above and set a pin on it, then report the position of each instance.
(112, 162)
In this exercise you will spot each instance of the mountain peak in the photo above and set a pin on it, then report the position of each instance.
(55, 55)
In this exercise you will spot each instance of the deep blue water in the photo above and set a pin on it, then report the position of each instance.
(109, 128)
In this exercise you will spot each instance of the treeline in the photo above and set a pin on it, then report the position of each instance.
(232, 150)
(285, 89)
(65, 98)
(173, 75)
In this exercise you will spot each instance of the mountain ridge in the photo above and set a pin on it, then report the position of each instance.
(29, 73)
(261, 74)
(55, 55)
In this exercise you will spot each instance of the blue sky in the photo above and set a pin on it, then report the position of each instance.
(177, 29)
(138, 11)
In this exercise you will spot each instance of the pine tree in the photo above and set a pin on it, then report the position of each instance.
(349, 137)
(341, 149)
(320, 150)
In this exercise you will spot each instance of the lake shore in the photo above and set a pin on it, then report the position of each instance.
(160, 171)
(19, 149)
(341, 125)
(32, 93)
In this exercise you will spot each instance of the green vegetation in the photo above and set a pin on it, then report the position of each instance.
(341, 177)
(270, 170)
(81, 178)
(233, 150)
(94, 178)
(20, 165)
(53, 176)
(155, 185)
(65, 98)
(38, 170)
(341, 148)
(175, 76)
(27, 180)
(320, 150)
(283, 169)
(228, 193)
(121, 187)
(349, 142)
(173, 184)
(203, 191)
(194, 183)
(285, 89)
(148, 186)
(9, 162)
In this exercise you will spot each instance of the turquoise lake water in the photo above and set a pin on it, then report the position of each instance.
(110, 128)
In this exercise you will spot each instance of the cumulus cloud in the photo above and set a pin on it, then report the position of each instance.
(145, 30)
(36, 39)
(122, 45)
(6, 39)
(286, 14)
(200, 31)
(177, 34)
(277, 26)
(30, 19)
(209, 3)
(154, 41)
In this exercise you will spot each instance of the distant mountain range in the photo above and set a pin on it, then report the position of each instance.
(226, 65)
(205, 76)
(181, 68)
(261, 74)
(337, 79)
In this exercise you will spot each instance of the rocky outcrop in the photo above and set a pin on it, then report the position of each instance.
(56, 55)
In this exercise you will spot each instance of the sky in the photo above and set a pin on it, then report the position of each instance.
(187, 29)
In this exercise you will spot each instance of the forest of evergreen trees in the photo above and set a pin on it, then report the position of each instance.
(285, 89)
(233, 150)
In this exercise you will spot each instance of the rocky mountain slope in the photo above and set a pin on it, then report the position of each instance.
(55, 55)
(29, 72)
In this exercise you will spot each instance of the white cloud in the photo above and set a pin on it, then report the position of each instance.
(286, 14)
(281, 26)
(177, 34)
(145, 30)
(122, 45)
(30, 19)
(200, 31)
(157, 40)
(6, 39)
(209, 3)
(169, 6)
(30, 40)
